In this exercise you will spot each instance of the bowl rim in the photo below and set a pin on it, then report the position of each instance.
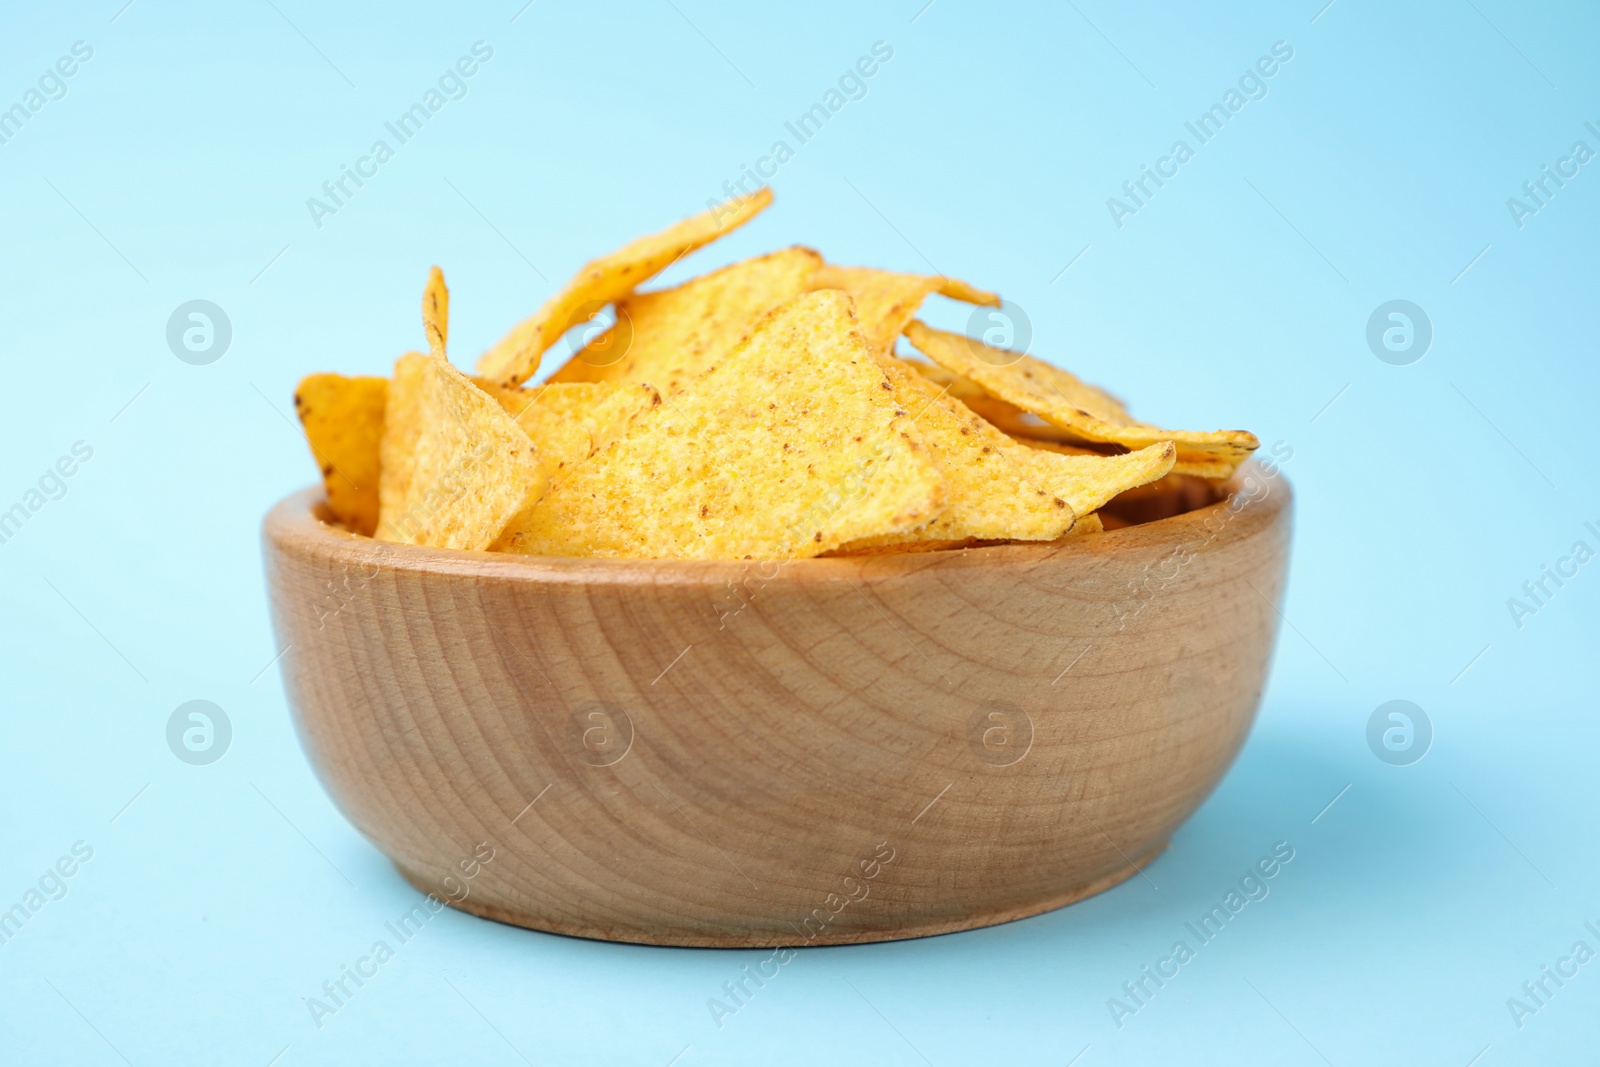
(293, 524)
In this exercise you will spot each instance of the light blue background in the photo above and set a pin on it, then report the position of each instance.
(1378, 167)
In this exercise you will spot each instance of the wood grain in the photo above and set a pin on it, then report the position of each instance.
(822, 751)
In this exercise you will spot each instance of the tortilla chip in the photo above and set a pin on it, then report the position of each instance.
(999, 489)
(790, 446)
(1064, 401)
(931, 371)
(515, 357)
(605, 410)
(568, 423)
(1089, 524)
(1067, 449)
(886, 301)
(1007, 416)
(436, 312)
(402, 426)
(670, 337)
(999, 413)
(900, 548)
(558, 442)
(1215, 472)
(583, 400)
(343, 420)
(469, 469)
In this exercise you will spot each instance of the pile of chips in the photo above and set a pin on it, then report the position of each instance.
(756, 412)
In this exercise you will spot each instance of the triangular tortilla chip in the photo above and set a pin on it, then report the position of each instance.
(1008, 417)
(436, 312)
(515, 357)
(1087, 412)
(1091, 523)
(1023, 425)
(343, 420)
(463, 467)
(790, 446)
(669, 337)
(886, 301)
(570, 422)
(1030, 429)
(998, 489)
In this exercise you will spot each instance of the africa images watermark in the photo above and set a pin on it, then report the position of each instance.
(51, 885)
(451, 86)
(852, 85)
(1252, 85)
(1251, 888)
(52, 85)
(1537, 992)
(1560, 573)
(1538, 192)
(337, 992)
(853, 888)
(52, 485)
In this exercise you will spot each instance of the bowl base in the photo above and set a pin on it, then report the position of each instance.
(696, 939)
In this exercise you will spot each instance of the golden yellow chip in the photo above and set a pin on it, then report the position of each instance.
(1210, 469)
(558, 442)
(671, 336)
(999, 489)
(436, 312)
(1215, 472)
(1008, 417)
(468, 467)
(606, 410)
(1089, 524)
(570, 422)
(886, 301)
(343, 420)
(515, 357)
(1066, 448)
(1064, 401)
(790, 446)
(402, 425)
(931, 371)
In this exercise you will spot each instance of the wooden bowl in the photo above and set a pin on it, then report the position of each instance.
(821, 751)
